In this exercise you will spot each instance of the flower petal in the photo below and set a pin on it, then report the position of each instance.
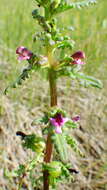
(77, 62)
(24, 53)
(54, 122)
(23, 57)
(65, 119)
(58, 130)
(19, 49)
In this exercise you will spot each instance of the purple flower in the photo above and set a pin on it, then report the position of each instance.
(58, 121)
(76, 118)
(77, 56)
(24, 53)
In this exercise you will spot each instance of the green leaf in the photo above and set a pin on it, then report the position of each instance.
(72, 142)
(65, 6)
(66, 71)
(23, 76)
(43, 119)
(66, 44)
(61, 146)
(54, 110)
(36, 144)
(20, 171)
(71, 124)
(41, 20)
(89, 80)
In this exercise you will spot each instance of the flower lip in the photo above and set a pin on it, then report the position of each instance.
(77, 62)
(78, 55)
(58, 130)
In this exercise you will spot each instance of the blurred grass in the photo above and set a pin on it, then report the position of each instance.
(17, 28)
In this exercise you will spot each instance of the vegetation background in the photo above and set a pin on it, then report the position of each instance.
(22, 105)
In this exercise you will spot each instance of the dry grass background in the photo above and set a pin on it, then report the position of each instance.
(91, 105)
(22, 105)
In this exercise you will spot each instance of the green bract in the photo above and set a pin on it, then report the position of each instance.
(54, 169)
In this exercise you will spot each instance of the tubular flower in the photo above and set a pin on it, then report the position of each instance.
(77, 56)
(76, 118)
(58, 121)
(24, 53)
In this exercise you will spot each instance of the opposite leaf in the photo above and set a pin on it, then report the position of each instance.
(89, 80)
(61, 146)
(65, 6)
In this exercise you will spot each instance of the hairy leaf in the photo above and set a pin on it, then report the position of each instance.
(33, 142)
(65, 6)
(23, 76)
(89, 80)
(65, 44)
(61, 146)
(71, 124)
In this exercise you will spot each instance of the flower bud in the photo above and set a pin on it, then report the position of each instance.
(76, 118)
(78, 55)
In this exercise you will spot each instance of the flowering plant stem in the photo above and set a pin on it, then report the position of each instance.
(49, 145)
(57, 124)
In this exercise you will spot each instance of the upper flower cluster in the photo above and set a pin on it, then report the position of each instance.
(25, 54)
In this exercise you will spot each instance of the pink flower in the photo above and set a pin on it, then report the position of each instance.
(58, 121)
(77, 56)
(76, 118)
(24, 53)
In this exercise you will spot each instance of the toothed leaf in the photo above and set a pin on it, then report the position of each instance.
(89, 80)
(65, 6)
(61, 146)
(23, 76)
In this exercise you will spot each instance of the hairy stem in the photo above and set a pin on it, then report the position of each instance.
(49, 145)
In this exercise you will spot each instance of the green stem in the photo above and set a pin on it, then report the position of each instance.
(47, 13)
(49, 145)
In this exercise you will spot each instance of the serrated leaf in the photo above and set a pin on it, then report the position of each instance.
(33, 142)
(43, 119)
(89, 80)
(23, 76)
(61, 146)
(66, 71)
(20, 171)
(71, 124)
(66, 44)
(65, 6)
(71, 141)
